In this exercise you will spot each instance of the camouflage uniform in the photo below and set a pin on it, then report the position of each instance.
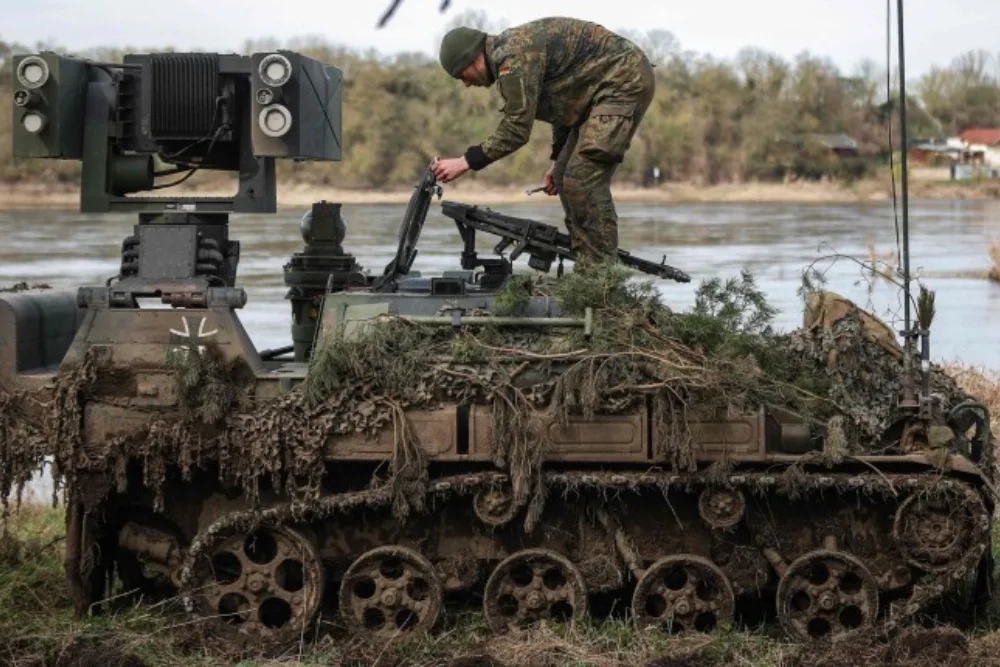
(593, 86)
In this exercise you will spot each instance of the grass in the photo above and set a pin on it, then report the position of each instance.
(37, 622)
(38, 627)
(994, 272)
(881, 265)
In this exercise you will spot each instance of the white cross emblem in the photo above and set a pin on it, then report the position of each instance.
(192, 338)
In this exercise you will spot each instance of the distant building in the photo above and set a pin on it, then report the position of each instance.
(841, 145)
(934, 153)
(982, 145)
(973, 154)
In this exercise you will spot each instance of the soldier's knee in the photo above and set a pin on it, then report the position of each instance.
(588, 174)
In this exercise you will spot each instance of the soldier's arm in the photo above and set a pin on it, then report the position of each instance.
(519, 78)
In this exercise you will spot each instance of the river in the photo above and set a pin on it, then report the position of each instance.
(949, 243)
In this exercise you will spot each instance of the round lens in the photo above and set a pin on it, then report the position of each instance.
(275, 69)
(32, 72)
(33, 122)
(275, 120)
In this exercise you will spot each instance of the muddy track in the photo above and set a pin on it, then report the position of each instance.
(928, 587)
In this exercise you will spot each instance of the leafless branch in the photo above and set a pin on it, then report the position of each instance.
(394, 5)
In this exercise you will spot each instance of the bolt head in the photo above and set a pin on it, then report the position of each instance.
(257, 582)
(390, 598)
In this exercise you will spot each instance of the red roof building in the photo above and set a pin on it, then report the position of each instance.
(981, 135)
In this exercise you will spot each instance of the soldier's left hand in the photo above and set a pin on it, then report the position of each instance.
(449, 169)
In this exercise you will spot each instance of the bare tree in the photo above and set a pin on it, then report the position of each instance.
(973, 67)
(868, 81)
(659, 45)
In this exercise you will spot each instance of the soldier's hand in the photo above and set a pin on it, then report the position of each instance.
(449, 169)
(549, 181)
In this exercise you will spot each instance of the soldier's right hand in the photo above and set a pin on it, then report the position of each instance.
(549, 181)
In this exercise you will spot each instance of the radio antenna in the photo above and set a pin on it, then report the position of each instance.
(909, 385)
(911, 401)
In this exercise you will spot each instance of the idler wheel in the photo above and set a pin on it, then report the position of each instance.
(933, 532)
(266, 585)
(683, 593)
(721, 508)
(390, 591)
(826, 596)
(531, 586)
(495, 505)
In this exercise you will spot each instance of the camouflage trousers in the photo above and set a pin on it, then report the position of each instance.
(588, 161)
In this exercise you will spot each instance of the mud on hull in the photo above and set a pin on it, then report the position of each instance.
(828, 553)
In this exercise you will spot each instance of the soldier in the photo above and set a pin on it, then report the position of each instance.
(591, 85)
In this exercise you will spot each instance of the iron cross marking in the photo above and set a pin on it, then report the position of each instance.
(189, 338)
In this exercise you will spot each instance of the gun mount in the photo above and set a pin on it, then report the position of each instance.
(322, 267)
(409, 232)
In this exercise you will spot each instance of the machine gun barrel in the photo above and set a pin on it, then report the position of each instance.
(540, 240)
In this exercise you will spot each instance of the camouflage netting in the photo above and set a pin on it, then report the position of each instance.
(842, 371)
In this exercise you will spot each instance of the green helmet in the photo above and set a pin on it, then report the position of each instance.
(459, 48)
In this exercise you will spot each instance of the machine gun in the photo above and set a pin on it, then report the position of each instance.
(543, 243)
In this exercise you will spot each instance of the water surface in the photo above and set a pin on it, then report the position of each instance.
(949, 243)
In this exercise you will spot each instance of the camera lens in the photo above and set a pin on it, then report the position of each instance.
(32, 72)
(33, 122)
(275, 70)
(275, 120)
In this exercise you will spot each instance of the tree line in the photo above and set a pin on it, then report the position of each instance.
(753, 117)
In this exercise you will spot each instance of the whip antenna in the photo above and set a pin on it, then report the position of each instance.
(910, 400)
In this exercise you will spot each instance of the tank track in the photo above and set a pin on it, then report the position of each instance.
(929, 587)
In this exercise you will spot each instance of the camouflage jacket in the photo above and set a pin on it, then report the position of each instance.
(554, 70)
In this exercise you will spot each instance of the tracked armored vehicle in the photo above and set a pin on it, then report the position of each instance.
(477, 435)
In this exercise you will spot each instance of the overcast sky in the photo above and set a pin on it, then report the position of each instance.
(844, 30)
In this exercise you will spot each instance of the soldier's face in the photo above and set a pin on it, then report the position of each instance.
(475, 74)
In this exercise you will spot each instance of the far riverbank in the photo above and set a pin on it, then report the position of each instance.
(297, 194)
